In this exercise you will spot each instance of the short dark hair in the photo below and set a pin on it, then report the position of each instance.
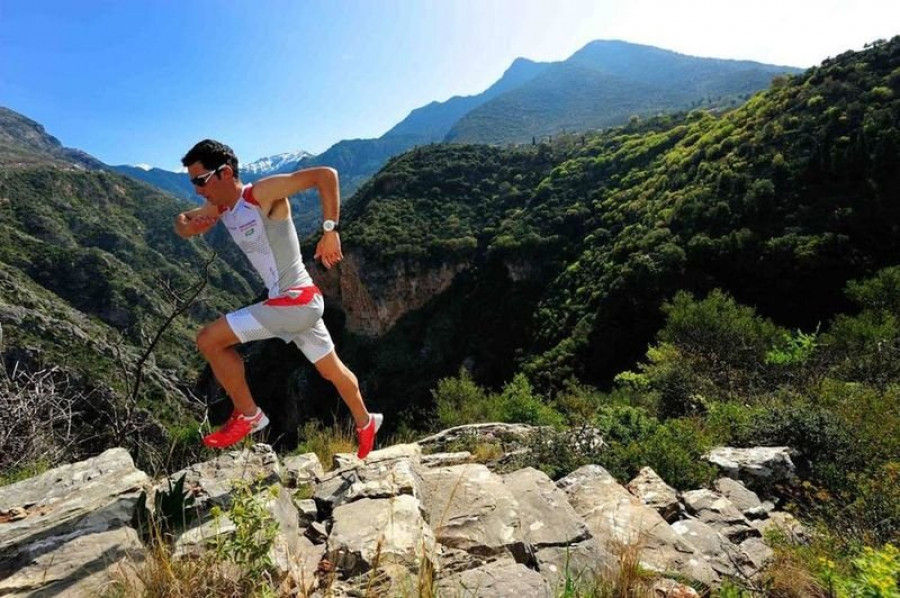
(212, 154)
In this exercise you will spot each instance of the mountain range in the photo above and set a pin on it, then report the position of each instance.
(603, 84)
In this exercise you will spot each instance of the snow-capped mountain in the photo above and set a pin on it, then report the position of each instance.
(273, 164)
(179, 184)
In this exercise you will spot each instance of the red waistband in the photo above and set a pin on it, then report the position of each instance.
(295, 296)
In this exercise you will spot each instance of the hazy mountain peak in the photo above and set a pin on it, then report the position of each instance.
(23, 140)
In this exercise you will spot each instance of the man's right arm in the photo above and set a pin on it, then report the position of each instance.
(196, 221)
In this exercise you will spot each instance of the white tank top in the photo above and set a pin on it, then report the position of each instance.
(271, 246)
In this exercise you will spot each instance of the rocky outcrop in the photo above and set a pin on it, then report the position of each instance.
(761, 465)
(503, 579)
(387, 525)
(374, 298)
(64, 530)
(743, 498)
(505, 435)
(473, 510)
(622, 521)
(719, 513)
(653, 491)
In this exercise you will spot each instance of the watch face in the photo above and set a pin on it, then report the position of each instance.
(328, 225)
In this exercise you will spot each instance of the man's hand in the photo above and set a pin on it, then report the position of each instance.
(328, 249)
(199, 225)
(196, 221)
(189, 224)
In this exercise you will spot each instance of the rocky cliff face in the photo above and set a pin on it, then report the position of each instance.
(374, 297)
(403, 518)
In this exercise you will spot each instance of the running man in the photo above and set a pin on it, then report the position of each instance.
(258, 216)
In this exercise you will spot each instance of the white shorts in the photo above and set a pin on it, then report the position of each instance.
(291, 322)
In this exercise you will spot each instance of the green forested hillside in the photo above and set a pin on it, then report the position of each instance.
(779, 202)
(88, 260)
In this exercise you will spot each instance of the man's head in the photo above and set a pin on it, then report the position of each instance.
(213, 169)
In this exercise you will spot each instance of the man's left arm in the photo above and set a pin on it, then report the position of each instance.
(270, 189)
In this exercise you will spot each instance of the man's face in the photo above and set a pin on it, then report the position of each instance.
(216, 183)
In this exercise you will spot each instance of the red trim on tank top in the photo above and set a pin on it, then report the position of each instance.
(248, 195)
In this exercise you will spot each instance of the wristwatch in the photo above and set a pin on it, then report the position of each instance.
(330, 225)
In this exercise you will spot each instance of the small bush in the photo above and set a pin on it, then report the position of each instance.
(726, 343)
(250, 544)
(675, 451)
(238, 564)
(461, 401)
(866, 348)
(517, 403)
(873, 515)
(880, 293)
(876, 575)
(173, 510)
(39, 415)
(727, 422)
(623, 440)
(826, 445)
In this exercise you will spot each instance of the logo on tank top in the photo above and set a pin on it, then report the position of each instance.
(247, 228)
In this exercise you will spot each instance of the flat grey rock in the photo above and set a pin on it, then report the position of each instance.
(500, 579)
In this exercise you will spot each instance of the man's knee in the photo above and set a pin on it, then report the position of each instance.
(207, 343)
(333, 369)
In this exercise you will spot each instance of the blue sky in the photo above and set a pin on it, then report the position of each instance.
(139, 81)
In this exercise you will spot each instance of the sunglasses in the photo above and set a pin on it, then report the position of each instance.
(201, 180)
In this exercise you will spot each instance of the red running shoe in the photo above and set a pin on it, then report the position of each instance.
(366, 434)
(236, 429)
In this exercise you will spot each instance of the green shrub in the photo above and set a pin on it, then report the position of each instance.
(727, 422)
(880, 293)
(873, 516)
(558, 452)
(461, 401)
(708, 350)
(876, 574)
(792, 349)
(728, 341)
(624, 424)
(579, 403)
(823, 440)
(866, 348)
(632, 439)
(517, 403)
(675, 451)
(173, 510)
(250, 543)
